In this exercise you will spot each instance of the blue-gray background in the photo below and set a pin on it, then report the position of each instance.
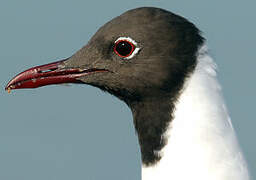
(79, 132)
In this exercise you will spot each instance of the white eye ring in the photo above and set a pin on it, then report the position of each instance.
(134, 43)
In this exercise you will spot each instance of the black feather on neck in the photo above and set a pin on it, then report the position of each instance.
(151, 119)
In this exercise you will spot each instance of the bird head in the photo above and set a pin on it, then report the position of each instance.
(142, 57)
(134, 56)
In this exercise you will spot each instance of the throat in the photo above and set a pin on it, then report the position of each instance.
(151, 119)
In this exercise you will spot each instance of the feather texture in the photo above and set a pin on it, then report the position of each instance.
(201, 140)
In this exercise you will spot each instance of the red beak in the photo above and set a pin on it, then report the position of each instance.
(52, 73)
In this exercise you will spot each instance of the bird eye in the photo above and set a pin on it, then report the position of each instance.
(125, 47)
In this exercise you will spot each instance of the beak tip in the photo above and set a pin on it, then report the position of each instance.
(8, 88)
(10, 85)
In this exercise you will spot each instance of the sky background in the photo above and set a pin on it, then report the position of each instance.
(79, 132)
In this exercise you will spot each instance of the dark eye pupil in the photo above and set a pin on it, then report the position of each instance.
(124, 48)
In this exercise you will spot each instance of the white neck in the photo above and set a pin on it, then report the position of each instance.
(201, 141)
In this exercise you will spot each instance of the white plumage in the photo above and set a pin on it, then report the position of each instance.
(202, 144)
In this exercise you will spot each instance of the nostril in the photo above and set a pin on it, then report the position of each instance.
(47, 70)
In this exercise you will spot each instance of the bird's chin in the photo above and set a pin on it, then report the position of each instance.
(52, 73)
